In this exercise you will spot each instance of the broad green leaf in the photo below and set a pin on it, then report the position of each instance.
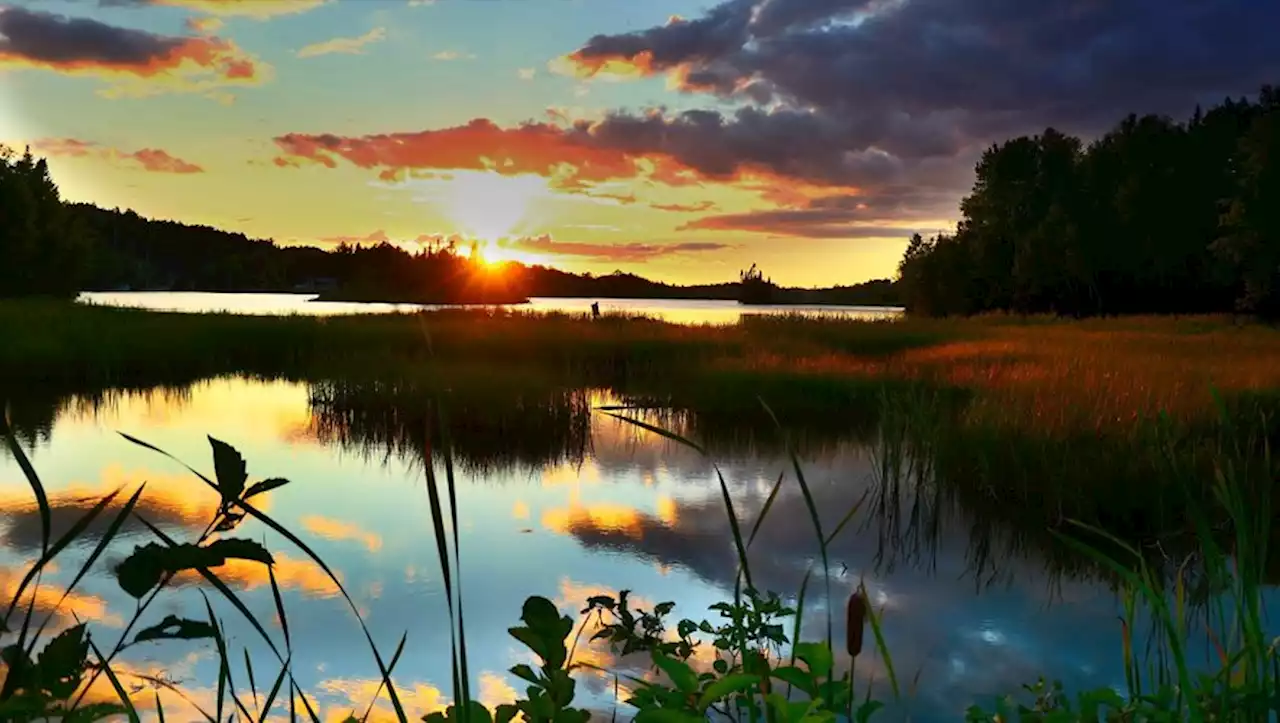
(725, 687)
(794, 676)
(680, 673)
(817, 656)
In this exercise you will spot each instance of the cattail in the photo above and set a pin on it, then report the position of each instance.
(854, 623)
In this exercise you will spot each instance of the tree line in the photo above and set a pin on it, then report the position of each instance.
(49, 247)
(1155, 216)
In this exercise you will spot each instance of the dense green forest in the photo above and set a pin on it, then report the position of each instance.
(1154, 216)
(52, 248)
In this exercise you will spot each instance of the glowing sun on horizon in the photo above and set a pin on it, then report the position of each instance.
(489, 206)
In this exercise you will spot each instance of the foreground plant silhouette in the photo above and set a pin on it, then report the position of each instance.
(748, 680)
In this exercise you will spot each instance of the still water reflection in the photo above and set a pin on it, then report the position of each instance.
(679, 311)
(574, 505)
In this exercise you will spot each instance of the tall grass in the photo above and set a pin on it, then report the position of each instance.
(963, 409)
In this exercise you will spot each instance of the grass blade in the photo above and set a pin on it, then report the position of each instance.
(130, 710)
(33, 479)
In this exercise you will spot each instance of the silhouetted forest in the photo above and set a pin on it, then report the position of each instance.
(52, 248)
(1155, 216)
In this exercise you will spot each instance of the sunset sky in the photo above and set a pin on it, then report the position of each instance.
(678, 139)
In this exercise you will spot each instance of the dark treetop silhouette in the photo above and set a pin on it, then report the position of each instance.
(1155, 216)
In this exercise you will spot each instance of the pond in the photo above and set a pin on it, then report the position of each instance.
(572, 504)
(682, 311)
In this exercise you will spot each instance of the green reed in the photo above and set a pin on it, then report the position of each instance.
(921, 442)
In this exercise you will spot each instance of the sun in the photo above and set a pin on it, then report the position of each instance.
(490, 206)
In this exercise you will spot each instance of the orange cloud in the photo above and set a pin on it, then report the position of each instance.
(580, 65)
(611, 517)
(154, 160)
(82, 46)
(303, 575)
(567, 155)
(338, 530)
(419, 699)
(47, 596)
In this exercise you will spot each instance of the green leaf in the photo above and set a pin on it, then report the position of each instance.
(817, 656)
(505, 713)
(61, 663)
(725, 687)
(525, 672)
(680, 673)
(176, 628)
(229, 470)
(265, 485)
(667, 715)
(866, 710)
(794, 676)
(533, 641)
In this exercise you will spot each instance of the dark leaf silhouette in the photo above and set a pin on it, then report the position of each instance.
(150, 563)
(61, 664)
(176, 628)
(229, 470)
(265, 485)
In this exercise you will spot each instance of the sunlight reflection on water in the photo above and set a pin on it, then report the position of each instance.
(681, 311)
(633, 511)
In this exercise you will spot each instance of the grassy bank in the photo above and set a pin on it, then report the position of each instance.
(1027, 422)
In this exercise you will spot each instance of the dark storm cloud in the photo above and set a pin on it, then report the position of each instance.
(54, 40)
(866, 215)
(37, 39)
(938, 78)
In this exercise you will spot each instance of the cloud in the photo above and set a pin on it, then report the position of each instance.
(633, 252)
(480, 145)
(204, 25)
(527, 73)
(154, 160)
(151, 62)
(684, 207)
(863, 215)
(257, 9)
(338, 530)
(684, 149)
(864, 92)
(447, 55)
(353, 46)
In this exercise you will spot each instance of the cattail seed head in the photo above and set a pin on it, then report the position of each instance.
(854, 623)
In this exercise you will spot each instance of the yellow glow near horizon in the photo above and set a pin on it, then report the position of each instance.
(489, 206)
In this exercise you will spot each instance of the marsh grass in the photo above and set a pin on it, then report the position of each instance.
(1102, 441)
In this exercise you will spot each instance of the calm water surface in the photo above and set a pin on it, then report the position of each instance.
(684, 311)
(603, 507)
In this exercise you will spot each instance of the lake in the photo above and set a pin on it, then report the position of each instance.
(683, 311)
(567, 503)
